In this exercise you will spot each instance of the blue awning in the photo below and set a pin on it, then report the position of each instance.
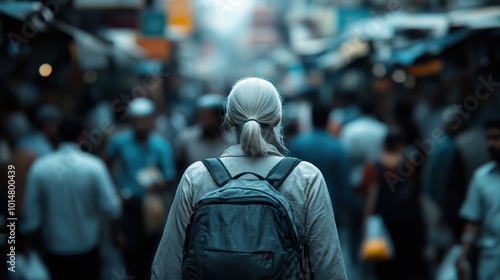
(19, 10)
(410, 54)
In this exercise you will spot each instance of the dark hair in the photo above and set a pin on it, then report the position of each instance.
(492, 123)
(394, 139)
(320, 115)
(70, 129)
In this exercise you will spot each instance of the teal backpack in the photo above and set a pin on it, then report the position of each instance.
(244, 229)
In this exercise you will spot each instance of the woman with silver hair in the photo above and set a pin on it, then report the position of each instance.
(254, 112)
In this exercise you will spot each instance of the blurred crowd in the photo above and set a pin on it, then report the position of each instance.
(395, 122)
(358, 156)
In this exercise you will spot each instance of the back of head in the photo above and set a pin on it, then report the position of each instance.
(70, 129)
(48, 113)
(17, 126)
(394, 140)
(320, 115)
(254, 109)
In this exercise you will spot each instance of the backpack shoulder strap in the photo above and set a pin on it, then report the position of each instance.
(218, 170)
(281, 170)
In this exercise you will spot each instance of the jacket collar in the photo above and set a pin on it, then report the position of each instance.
(237, 151)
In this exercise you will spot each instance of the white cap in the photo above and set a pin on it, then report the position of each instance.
(211, 101)
(141, 107)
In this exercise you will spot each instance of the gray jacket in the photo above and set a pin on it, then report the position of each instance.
(305, 190)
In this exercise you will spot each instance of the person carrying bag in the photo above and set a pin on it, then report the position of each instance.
(251, 213)
(393, 209)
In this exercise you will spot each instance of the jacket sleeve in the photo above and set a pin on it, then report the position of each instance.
(168, 259)
(322, 238)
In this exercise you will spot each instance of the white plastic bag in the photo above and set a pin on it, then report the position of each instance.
(377, 244)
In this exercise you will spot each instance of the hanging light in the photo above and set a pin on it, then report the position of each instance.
(45, 70)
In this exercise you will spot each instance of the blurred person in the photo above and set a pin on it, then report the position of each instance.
(327, 153)
(297, 119)
(428, 113)
(169, 124)
(67, 191)
(205, 139)
(26, 138)
(146, 167)
(345, 110)
(444, 177)
(470, 141)
(397, 201)
(43, 137)
(22, 160)
(48, 118)
(403, 119)
(16, 126)
(10, 154)
(363, 138)
(362, 135)
(254, 112)
(471, 144)
(101, 124)
(170, 118)
(481, 210)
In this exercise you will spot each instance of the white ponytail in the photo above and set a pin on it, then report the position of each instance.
(254, 109)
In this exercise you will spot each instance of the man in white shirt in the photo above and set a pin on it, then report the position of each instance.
(481, 210)
(67, 192)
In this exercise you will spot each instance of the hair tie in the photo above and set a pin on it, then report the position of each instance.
(253, 120)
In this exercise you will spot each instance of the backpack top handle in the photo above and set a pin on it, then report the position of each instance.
(251, 173)
(275, 177)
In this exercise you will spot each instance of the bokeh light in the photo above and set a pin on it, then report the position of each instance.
(45, 70)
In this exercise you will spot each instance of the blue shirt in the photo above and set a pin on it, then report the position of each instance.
(482, 205)
(329, 155)
(134, 156)
(437, 170)
(67, 190)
